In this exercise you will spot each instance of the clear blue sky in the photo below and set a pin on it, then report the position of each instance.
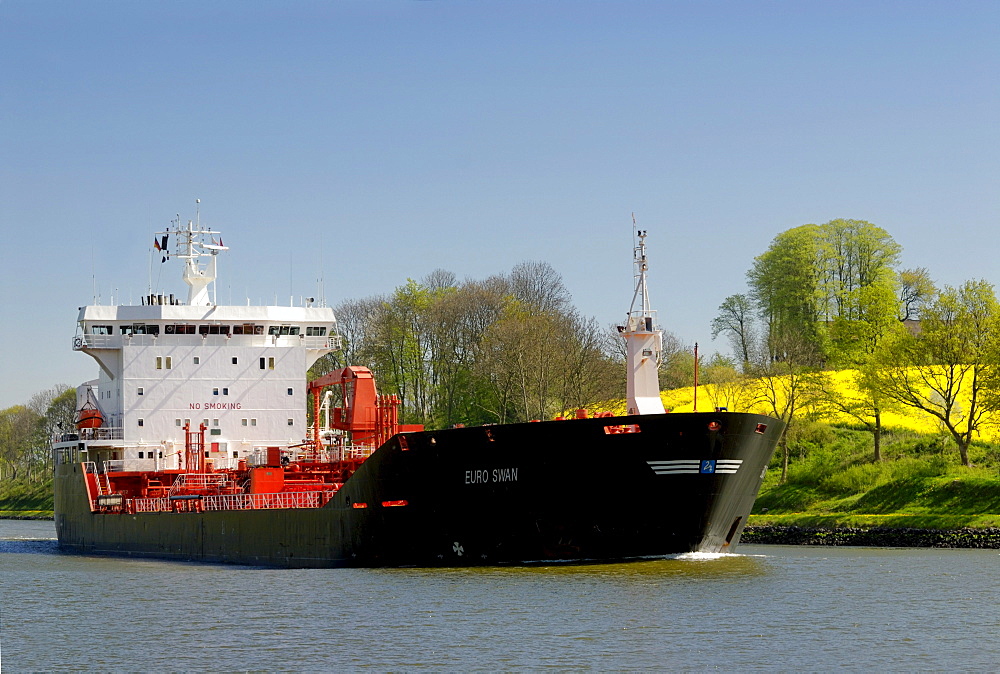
(380, 140)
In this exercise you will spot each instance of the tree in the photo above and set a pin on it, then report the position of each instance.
(949, 368)
(736, 322)
(787, 385)
(729, 388)
(784, 282)
(16, 426)
(538, 286)
(511, 347)
(915, 290)
(866, 405)
(854, 255)
(57, 407)
(813, 277)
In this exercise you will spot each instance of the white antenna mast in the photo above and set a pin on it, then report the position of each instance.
(644, 342)
(191, 246)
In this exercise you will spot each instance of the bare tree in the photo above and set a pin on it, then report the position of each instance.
(916, 289)
(737, 321)
(787, 386)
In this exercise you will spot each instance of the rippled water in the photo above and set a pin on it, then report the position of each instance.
(772, 607)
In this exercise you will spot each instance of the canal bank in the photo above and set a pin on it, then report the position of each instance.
(879, 537)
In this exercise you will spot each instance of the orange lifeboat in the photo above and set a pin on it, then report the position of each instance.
(89, 417)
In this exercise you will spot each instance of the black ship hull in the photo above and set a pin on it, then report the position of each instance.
(596, 489)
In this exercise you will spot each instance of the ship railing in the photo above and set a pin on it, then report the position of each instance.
(89, 341)
(114, 466)
(193, 481)
(94, 341)
(357, 452)
(94, 483)
(299, 499)
(335, 454)
(114, 341)
(150, 505)
(296, 499)
(103, 433)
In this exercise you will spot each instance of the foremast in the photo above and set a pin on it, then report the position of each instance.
(643, 341)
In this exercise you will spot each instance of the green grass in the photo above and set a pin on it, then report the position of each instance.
(833, 481)
(24, 500)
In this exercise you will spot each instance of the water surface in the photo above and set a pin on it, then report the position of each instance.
(771, 607)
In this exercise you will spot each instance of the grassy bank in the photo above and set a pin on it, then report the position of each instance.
(834, 483)
(26, 500)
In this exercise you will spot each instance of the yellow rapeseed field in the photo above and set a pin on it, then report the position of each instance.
(711, 395)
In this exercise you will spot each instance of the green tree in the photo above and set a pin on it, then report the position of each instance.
(853, 255)
(784, 282)
(17, 424)
(56, 410)
(949, 368)
(820, 281)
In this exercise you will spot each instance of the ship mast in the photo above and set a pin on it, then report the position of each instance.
(643, 342)
(191, 246)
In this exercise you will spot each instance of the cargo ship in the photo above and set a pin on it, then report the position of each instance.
(194, 443)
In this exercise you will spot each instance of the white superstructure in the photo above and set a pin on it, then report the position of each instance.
(644, 343)
(164, 364)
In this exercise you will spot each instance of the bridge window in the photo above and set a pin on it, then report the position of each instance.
(102, 329)
(312, 331)
(140, 329)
